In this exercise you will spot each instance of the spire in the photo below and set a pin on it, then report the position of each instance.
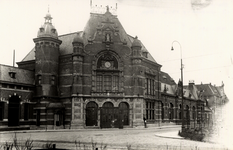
(48, 18)
(47, 30)
(107, 8)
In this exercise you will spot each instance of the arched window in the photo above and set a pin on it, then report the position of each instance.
(194, 113)
(39, 79)
(1, 110)
(171, 113)
(107, 74)
(180, 112)
(162, 107)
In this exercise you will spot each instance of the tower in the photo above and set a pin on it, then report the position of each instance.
(47, 59)
(137, 67)
(77, 64)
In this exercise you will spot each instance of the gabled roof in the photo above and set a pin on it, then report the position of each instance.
(21, 76)
(166, 78)
(90, 31)
(194, 93)
(209, 90)
(167, 83)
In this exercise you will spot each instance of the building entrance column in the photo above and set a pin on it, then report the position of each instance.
(77, 113)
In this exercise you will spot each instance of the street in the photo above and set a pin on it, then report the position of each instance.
(141, 138)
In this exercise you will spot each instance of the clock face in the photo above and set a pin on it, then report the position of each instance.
(107, 64)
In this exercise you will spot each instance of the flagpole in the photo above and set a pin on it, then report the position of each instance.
(14, 58)
(182, 95)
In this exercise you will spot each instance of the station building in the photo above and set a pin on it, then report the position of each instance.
(100, 77)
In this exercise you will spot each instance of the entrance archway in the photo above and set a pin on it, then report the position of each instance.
(187, 116)
(13, 111)
(171, 112)
(124, 112)
(91, 114)
(108, 116)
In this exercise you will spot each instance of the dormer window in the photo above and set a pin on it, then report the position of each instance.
(12, 74)
(53, 30)
(41, 29)
(145, 54)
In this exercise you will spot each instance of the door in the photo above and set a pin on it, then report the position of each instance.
(109, 116)
(91, 114)
(124, 112)
(13, 111)
(38, 117)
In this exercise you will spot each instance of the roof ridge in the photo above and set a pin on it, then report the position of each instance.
(28, 53)
(69, 33)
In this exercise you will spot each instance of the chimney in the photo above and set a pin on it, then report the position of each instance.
(191, 82)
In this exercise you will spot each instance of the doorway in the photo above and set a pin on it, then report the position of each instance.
(13, 111)
(92, 114)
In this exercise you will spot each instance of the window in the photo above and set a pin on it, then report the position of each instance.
(53, 79)
(4, 85)
(99, 81)
(107, 82)
(194, 113)
(115, 83)
(38, 79)
(162, 111)
(150, 83)
(171, 111)
(12, 74)
(11, 86)
(150, 110)
(18, 87)
(1, 110)
(107, 73)
(26, 108)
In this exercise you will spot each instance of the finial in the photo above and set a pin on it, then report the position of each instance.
(116, 5)
(107, 8)
(136, 37)
(48, 9)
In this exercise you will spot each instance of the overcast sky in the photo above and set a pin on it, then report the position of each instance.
(204, 31)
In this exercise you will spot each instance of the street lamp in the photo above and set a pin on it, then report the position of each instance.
(182, 96)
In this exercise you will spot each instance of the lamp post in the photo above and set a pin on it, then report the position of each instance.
(182, 96)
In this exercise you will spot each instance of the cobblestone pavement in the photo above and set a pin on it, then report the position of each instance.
(149, 138)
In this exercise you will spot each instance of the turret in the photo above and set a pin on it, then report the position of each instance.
(77, 65)
(46, 59)
(137, 67)
(136, 47)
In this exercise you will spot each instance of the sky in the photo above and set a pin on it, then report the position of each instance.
(203, 30)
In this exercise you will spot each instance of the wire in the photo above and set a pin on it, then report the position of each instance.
(191, 57)
(196, 70)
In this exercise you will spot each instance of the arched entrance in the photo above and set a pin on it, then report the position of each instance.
(171, 112)
(187, 116)
(108, 115)
(124, 112)
(162, 111)
(91, 114)
(13, 110)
